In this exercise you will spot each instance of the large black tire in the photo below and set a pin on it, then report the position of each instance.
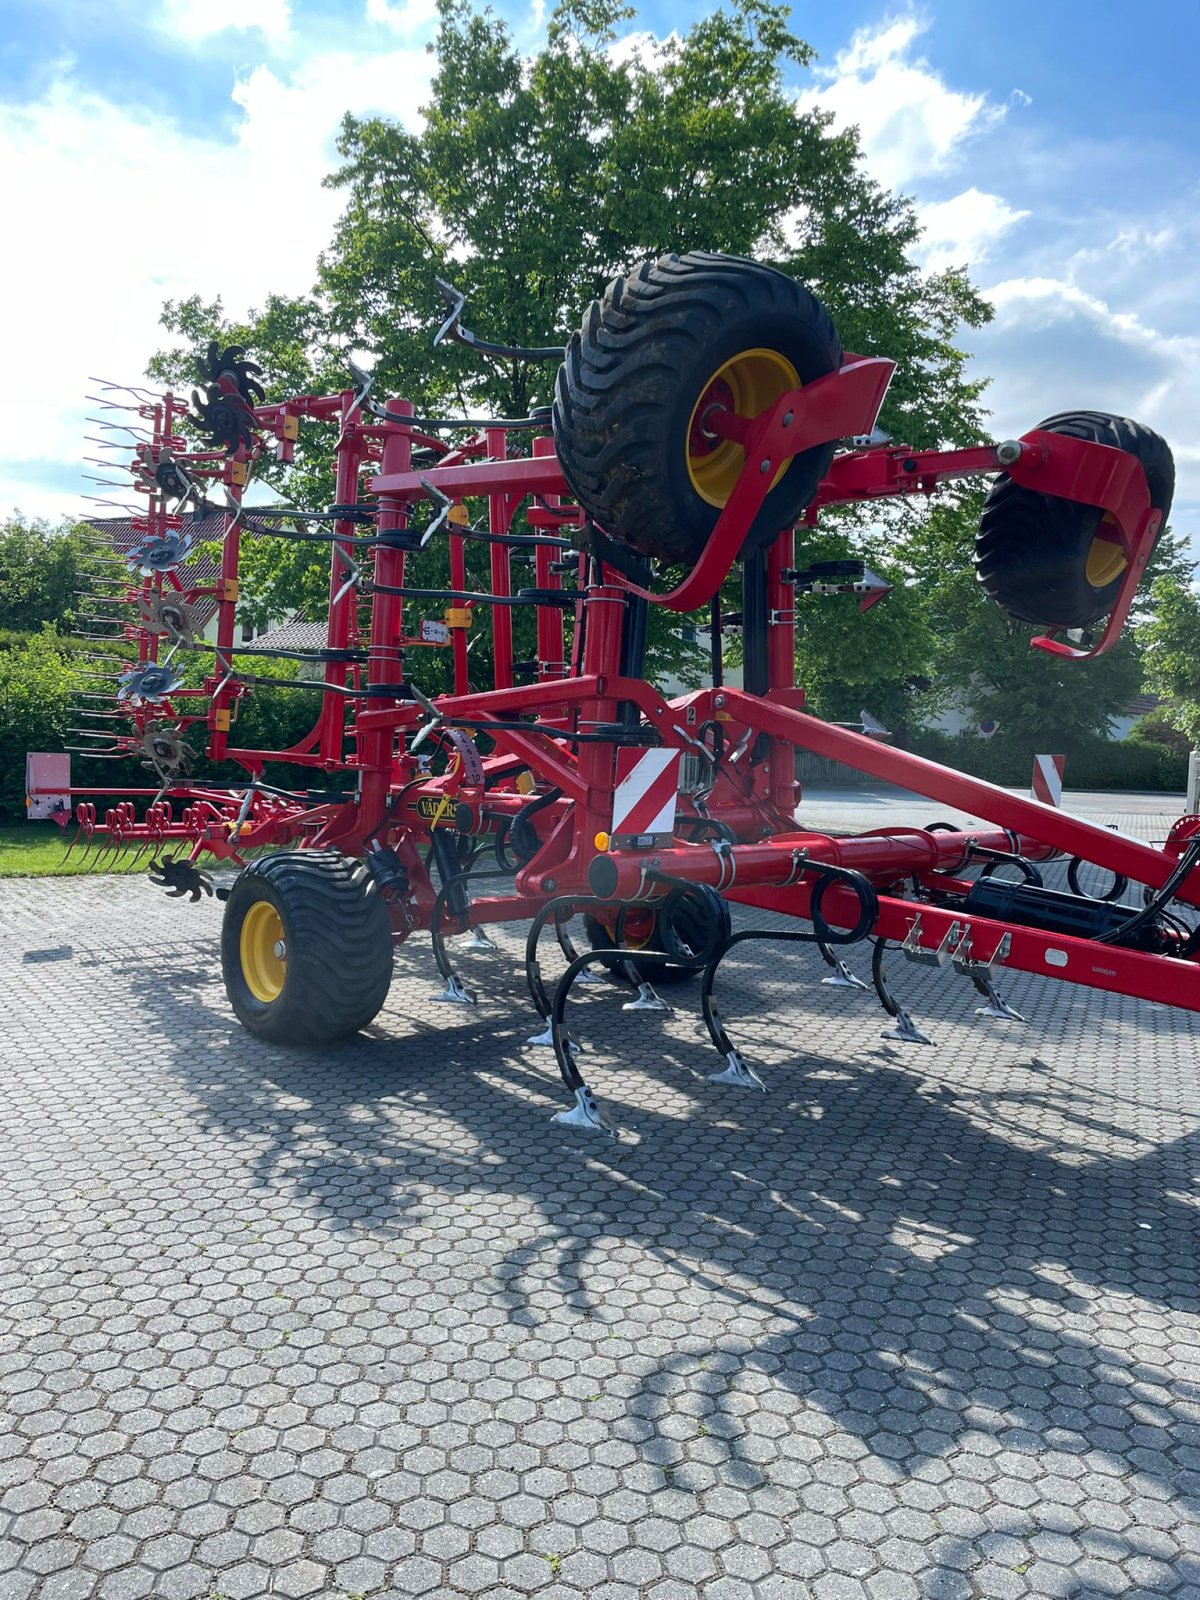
(333, 975)
(1044, 559)
(627, 403)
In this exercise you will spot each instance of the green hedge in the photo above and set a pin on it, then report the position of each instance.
(40, 681)
(1094, 764)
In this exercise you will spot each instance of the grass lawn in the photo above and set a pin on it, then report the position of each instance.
(38, 850)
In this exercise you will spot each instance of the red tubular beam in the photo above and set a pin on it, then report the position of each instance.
(387, 616)
(1163, 980)
(870, 475)
(458, 636)
(533, 475)
(499, 518)
(218, 738)
(781, 665)
(550, 654)
(1064, 833)
(883, 858)
(341, 611)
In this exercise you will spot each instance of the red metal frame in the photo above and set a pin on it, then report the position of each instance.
(366, 718)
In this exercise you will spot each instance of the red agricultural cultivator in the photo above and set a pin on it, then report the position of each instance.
(703, 412)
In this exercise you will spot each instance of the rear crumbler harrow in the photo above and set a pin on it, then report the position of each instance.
(705, 409)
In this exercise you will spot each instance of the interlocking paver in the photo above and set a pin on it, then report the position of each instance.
(365, 1322)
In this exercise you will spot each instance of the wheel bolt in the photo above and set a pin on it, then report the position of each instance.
(280, 950)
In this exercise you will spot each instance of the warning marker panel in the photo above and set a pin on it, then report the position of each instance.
(1048, 779)
(647, 788)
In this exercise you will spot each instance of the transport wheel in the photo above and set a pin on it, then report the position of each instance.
(640, 932)
(665, 348)
(306, 947)
(1056, 562)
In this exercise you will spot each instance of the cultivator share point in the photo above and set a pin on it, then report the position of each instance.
(705, 409)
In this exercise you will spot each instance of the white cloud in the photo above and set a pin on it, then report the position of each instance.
(911, 122)
(200, 19)
(643, 47)
(405, 17)
(964, 230)
(1055, 346)
(125, 209)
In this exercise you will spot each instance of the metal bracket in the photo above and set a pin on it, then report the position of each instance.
(982, 975)
(913, 950)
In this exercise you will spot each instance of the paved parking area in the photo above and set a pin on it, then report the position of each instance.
(916, 1322)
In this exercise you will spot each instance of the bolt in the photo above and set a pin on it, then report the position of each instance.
(1008, 453)
(280, 950)
(549, 885)
(764, 466)
(788, 418)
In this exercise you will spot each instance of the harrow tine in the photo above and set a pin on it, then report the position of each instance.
(905, 1030)
(841, 977)
(738, 1073)
(454, 994)
(982, 975)
(647, 1000)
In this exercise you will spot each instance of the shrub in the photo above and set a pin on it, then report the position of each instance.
(1157, 728)
(39, 685)
(1091, 764)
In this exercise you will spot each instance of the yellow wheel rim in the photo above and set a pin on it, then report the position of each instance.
(747, 385)
(1106, 555)
(263, 952)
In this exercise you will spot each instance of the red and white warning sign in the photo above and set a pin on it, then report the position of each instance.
(647, 786)
(1048, 779)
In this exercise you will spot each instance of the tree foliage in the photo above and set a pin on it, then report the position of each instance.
(41, 567)
(1172, 642)
(533, 181)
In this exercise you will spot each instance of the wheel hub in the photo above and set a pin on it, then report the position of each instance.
(746, 386)
(263, 951)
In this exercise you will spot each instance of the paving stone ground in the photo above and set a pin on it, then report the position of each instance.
(364, 1322)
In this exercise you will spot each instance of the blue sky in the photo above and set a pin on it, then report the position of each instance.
(1050, 147)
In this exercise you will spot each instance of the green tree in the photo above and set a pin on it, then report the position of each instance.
(41, 567)
(880, 660)
(1172, 659)
(536, 180)
(984, 657)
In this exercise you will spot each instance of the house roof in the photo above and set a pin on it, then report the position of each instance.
(198, 573)
(295, 634)
(1142, 704)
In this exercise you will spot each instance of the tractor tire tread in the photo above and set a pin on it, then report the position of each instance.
(339, 946)
(1031, 549)
(625, 373)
